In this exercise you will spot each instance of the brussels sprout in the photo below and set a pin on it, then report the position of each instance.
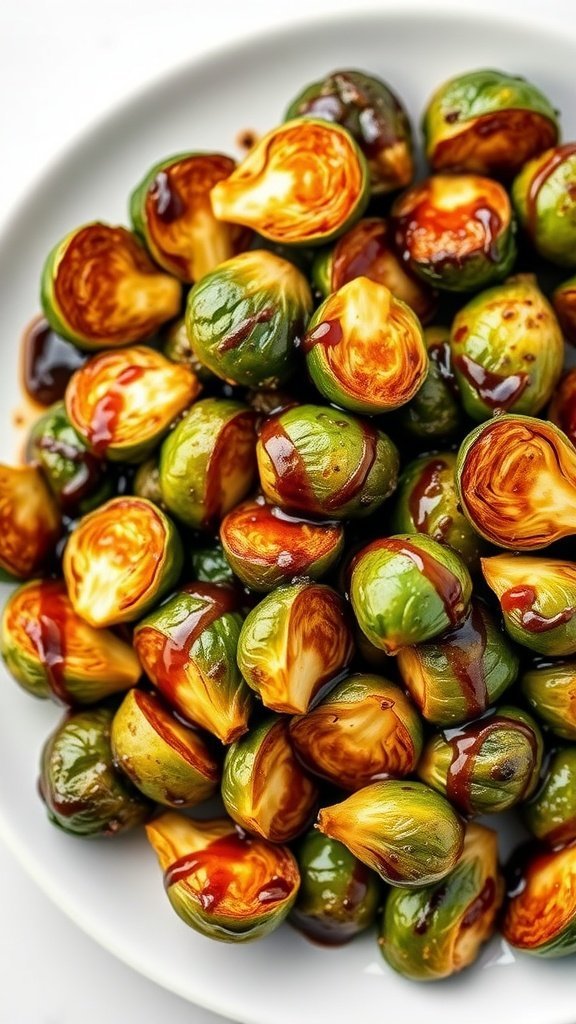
(120, 560)
(434, 413)
(564, 302)
(375, 117)
(171, 211)
(245, 319)
(550, 689)
(403, 830)
(338, 897)
(177, 349)
(100, 288)
(188, 649)
(538, 600)
(544, 195)
(303, 183)
(489, 122)
(210, 565)
(76, 478)
(516, 479)
(562, 408)
(52, 652)
(365, 729)
(488, 765)
(147, 482)
(458, 676)
(322, 462)
(294, 644)
(30, 522)
(456, 233)
(83, 793)
(507, 350)
(266, 547)
(439, 930)
(407, 589)
(169, 763)
(551, 815)
(207, 463)
(540, 916)
(222, 883)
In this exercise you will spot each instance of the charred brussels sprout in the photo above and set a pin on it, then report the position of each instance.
(224, 884)
(74, 475)
(550, 689)
(210, 565)
(541, 917)
(30, 522)
(562, 408)
(100, 289)
(551, 815)
(434, 413)
(538, 600)
(544, 196)
(564, 302)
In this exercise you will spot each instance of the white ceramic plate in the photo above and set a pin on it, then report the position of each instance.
(113, 889)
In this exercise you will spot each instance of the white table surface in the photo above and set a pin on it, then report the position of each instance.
(64, 63)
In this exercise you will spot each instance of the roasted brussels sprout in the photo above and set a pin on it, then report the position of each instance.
(177, 349)
(188, 649)
(538, 600)
(294, 644)
(210, 565)
(507, 350)
(551, 815)
(564, 302)
(83, 792)
(207, 463)
(434, 413)
(120, 560)
(540, 916)
(222, 883)
(407, 589)
(550, 689)
(403, 830)
(439, 930)
(319, 461)
(147, 482)
(100, 288)
(247, 316)
(544, 195)
(489, 122)
(562, 408)
(455, 232)
(75, 476)
(30, 522)
(303, 183)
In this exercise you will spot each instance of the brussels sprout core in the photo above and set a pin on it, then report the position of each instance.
(541, 917)
(30, 522)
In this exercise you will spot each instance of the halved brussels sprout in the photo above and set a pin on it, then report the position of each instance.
(544, 195)
(100, 288)
(266, 547)
(171, 211)
(338, 897)
(551, 815)
(169, 763)
(456, 232)
(407, 589)
(438, 930)
(222, 883)
(83, 792)
(540, 916)
(404, 831)
(294, 644)
(122, 403)
(434, 413)
(516, 480)
(507, 350)
(365, 729)
(30, 522)
(247, 316)
(320, 461)
(210, 565)
(458, 676)
(52, 652)
(177, 349)
(489, 122)
(147, 482)
(75, 476)
(538, 600)
(207, 463)
(562, 408)
(564, 302)
(303, 183)
(188, 649)
(550, 689)
(120, 560)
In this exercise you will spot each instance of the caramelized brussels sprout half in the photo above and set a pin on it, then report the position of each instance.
(434, 413)
(562, 408)
(564, 302)
(551, 815)
(544, 195)
(540, 917)
(30, 522)
(100, 289)
(550, 689)
(75, 476)
(439, 930)
(210, 565)
(222, 883)
(177, 349)
(303, 183)
(538, 600)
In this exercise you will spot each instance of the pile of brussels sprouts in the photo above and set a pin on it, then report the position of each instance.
(292, 547)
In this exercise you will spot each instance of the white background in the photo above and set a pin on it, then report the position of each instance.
(63, 64)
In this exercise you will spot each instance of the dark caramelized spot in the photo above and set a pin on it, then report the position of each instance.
(433, 904)
(479, 906)
(243, 330)
(328, 333)
(425, 496)
(47, 632)
(168, 204)
(465, 650)
(497, 391)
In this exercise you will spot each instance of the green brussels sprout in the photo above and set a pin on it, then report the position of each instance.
(507, 350)
(540, 917)
(338, 896)
(83, 792)
(459, 675)
(434, 413)
(177, 349)
(455, 232)
(120, 560)
(544, 195)
(51, 652)
(489, 122)
(210, 565)
(407, 589)
(304, 183)
(123, 298)
(76, 478)
(562, 408)
(323, 462)
(549, 687)
(538, 600)
(166, 761)
(294, 644)
(222, 883)
(365, 349)
(187, 647)
(147, 482)
(564, 302)
(404, 831)
(207, 462)
(434, 932)
(551, 815)
(487, 766)
(30, 520)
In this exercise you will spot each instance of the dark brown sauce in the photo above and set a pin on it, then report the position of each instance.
(47, 633)
(244, 329)
(555, 159)
(441, 356)
(89, 471)
(497, 391)
(328, 333)
(426, 493)
(168, 204)
(326, 930)
(219, 601)
(445, 583)
(464, 649)
(466, 744)
(358, 477)
(48, 362)
(107, 411)
(522, 599)
(287, 463)
(482, 903)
